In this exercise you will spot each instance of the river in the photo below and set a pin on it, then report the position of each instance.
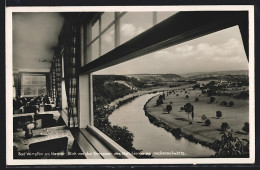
(153, 139)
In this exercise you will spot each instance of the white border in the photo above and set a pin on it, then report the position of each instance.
(9, 91)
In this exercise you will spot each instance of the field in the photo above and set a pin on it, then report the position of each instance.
(235, 116)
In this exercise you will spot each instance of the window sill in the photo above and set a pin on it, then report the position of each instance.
(91, 140)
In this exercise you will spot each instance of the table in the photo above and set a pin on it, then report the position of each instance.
(39, 135)
(56, 114)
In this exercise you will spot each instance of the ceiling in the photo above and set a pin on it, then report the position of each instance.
(35, 37)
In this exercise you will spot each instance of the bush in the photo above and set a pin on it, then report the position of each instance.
(176, 132)
(169, 108)
(196, 99)
(187, 96)
(224, 103)
(182, 108)
(207, 122)
(162, 97)
(218, 114)
(231, 103)
(203, 117)
(159, 102)
(212, 99)
(224, 126)
(177, 94)
(246, 127)
(231, 147)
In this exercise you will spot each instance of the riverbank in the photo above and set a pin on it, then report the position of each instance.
(197, 132)
(140, 93)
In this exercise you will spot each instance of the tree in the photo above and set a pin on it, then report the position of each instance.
(187, 96)
(218, 114)
(231, 147)
(196, 99)
(224, 103)
(212, 99)
(169, 108)
(159, 102)
(207, 122)
(231, 103)
(188, 107)
(246, 127)
(162, 97)
(224, 126)
(196, 86)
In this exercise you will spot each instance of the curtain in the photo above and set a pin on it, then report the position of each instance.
(48, 85)
(57, 62)
(71, 61)
(17, 84)
(51, 84)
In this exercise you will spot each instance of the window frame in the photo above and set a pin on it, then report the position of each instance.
(38, 86)
(142, 44)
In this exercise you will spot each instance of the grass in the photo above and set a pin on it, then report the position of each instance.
(235, 116)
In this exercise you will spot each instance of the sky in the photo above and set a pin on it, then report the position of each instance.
(219, 51)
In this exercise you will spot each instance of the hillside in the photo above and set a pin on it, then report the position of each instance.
(208, 74)
(156, 77)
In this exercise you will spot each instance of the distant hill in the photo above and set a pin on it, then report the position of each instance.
(156, 77)
(214, 74)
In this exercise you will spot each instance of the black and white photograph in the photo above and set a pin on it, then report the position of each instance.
(130, 85)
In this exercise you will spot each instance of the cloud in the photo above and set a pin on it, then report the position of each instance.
(109, 36)
(230, 47)
(162, 53)
(185, 50)
(129, 30)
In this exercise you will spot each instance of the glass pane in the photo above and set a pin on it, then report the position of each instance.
(127, 94)
(134, 23)
(41, 90)
(34, 80)
(41, 80)
(106, 19)
(95, 30)
(108, 40)
(30, 90)
(26, 79)
(95, 50)
(164, 15)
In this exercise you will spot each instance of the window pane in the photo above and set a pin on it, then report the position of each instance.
(33, 85)
(41, 80)
(164, 15)
(162, 83)
(134, 23)
(30, 90)
(106, 19)
(34, 80)
(95, 30)
(41, 90)
(108, 40)
(95, 50)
